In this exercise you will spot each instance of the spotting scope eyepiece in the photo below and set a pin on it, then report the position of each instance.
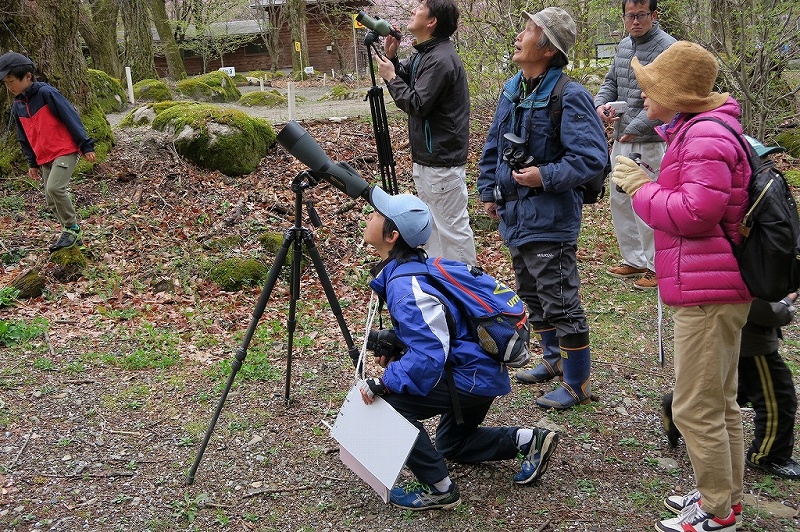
(341, 175)
(378, 25)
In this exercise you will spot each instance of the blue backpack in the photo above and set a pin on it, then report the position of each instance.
(497, 317)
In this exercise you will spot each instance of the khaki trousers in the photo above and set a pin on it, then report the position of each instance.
(704, 406)
(55, 179)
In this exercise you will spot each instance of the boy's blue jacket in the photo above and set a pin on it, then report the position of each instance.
(566, 161)
(420, 322)
(48, 126)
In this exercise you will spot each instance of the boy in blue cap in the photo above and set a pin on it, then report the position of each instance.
(52, 137)
(415, 383)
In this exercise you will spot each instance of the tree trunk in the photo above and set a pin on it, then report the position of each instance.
(175, 66)
(98, 27)
(297, 22)
(138, 53)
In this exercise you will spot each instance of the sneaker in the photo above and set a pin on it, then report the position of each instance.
(67, 239)
(783, 468)
(625, 271)
(647, 282)
(425, 498)
(694, 519)
(677, 503)
(537, 455)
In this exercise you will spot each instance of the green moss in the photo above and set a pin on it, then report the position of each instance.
(144, 114)
(153, 90)
(271, 241)
(12, 162)
(270, 98)
(790, 139)
(259, 74)
(340, 92)
(109, 92)
(792, 177)
(232, 274)
(99, 129)
(227, 140)
(239, 79)
(212, 87)
(223, 243)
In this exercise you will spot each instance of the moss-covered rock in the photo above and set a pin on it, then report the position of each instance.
(212, 87)
(227, 140)
(67, 264)
(271, 241)
(270, 98)
(232, 274)
(341, 92)
(151, 90)
(145, 114)
(790, 139)
(109, 92)
(30, 284)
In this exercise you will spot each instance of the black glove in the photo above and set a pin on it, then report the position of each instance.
(374, 386)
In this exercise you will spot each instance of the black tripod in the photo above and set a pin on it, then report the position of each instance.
(379, 122)
(295, 237)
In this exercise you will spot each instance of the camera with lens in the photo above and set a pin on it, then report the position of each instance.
(516, 153)
(385, 343)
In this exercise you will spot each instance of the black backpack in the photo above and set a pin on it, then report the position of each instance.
(594, 189)
(769, 255)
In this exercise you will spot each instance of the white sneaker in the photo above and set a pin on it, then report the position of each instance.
(694, 519)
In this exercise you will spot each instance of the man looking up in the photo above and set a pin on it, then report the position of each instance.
(539, 204)
(633, 132)
(431, 87)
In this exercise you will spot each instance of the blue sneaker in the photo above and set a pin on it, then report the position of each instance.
(537, 455)
(425, 498)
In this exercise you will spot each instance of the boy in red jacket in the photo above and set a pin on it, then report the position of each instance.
(52, 137)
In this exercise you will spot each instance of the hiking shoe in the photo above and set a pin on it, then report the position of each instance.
(537, 455)
(694, 519)
(425, 498)
(67, 239)
(541, 373)
(625, 271)
(672, 432)
(677, 503)
(647, 282)
(783, 468)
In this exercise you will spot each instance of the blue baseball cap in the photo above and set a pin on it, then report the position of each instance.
(762, 150)
(11, 60)
(409, 213)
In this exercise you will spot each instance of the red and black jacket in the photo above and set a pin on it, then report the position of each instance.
(48, 126)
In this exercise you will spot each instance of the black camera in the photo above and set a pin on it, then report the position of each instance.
(385, 343)
(516, 154)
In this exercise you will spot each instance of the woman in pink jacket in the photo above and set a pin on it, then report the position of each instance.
(699, 198)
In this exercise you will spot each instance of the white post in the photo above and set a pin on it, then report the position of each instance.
(261, 84)
(130, 83)
(324, 79)
(290, 87)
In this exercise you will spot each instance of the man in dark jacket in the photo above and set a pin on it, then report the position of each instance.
(633, 132)
(431, 86)
(539, 201)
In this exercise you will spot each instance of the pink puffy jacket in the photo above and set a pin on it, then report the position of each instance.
(701, 190)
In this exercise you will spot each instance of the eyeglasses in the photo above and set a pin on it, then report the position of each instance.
(630, 17)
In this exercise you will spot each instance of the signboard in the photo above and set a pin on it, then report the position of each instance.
(605, 50)
(296, 46)
(356, 24)
(309, 70)
(231, 71)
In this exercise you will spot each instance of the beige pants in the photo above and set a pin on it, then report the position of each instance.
(704, 406)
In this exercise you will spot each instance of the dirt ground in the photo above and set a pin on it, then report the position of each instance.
(103, 414)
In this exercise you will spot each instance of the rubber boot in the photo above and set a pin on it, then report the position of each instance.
(550, 366)
(577, 366)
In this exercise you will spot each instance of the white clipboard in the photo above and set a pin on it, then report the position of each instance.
(374, 440)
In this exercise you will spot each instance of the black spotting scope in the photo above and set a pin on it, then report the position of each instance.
(341, 175)
(378, 25)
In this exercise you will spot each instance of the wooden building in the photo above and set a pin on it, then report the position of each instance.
(322, 53)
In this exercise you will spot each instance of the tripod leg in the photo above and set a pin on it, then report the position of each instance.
(241, 353)
(294, 296)
(382, 141)
(332, 300)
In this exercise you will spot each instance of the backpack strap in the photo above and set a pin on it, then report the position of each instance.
(554, 106)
